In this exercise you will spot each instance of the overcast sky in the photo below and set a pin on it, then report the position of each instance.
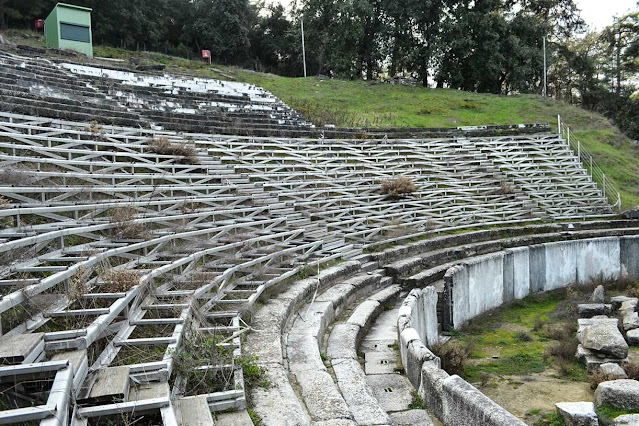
(599, 13)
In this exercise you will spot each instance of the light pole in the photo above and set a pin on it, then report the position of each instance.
(303, 48)
(545, 72)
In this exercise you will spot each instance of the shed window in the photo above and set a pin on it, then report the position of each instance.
(75, 32)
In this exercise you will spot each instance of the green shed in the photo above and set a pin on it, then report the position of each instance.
(69, 27)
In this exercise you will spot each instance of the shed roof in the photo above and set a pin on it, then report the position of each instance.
(72, 6)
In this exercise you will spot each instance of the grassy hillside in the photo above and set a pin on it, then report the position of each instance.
(357, 103)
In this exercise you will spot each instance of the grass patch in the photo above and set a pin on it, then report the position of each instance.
(609, 412)
(417, 403)
(516, 365)
(549, 419)
(255, 418)
(527, 337)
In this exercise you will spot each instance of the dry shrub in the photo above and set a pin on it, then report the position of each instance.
(77, 285)
(398, 188)
(538, 323)
(599, 377)
(186, 154)
(125, 227)
(565, 350)
(120, 281)
(454, 356)
(612, 283)
(95, 127)
(506, 189)
(632, 370)
(561, 332)
(4, 203)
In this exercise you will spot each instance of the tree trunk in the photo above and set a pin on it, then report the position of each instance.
(394, 57)
(618, 64)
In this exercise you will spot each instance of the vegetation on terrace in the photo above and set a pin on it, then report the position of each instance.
(528, 347)
(362, 104)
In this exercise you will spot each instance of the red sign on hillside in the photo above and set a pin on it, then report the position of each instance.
(39, 24)
(206, 54)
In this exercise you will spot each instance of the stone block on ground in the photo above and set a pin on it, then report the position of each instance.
(630, 321)
(598, 295)
(577, 413)
(589, 310)
(633, 337)
(613, 371)
(627, 420)
(602, 336)
(622, 394)
(616, 301)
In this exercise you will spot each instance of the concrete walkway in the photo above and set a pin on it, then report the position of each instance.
(383, 371)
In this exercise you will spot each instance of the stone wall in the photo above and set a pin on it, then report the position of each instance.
(485, 282)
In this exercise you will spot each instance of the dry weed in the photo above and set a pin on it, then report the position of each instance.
(123, 218)
(120, 281)
(398, 188)
(187, 153)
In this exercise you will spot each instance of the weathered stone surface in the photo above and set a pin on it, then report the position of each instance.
(589, 310)
(464, 405)
(321, 397)
(357, 394)
(394, 392)
(405, 338)
(266, 345)
(365, 313)
(335, 422)
(603, 336)
(599, 295)
(629, 305)
(630, 320)
(106, 386)
(626, 419)
(416, 355)
(411, 418)
(613, 371)
(622, 394)
(339, 295)
(303, 353)
(342, 341)
(430, 388)
(577, 413)
(278, 406)
(633, 337)
(150, 390)
(20, 348)
(616, 301)
(387, 294)
(195, 411)
(236, 418)
(380, 362)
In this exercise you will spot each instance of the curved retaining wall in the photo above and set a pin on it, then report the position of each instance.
(486, 282)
